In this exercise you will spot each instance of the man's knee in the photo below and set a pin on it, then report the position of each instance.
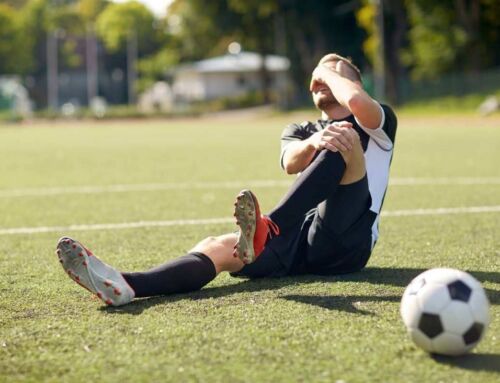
(220, 250)
(355, 164)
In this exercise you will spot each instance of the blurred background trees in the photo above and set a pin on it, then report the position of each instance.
(404, 41)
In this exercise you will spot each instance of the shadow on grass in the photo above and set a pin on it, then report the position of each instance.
(350, 303)
(474, 362)
(400, 277)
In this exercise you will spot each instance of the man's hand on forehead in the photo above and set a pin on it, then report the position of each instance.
(343, 69)
(318, 75)
(339, 67)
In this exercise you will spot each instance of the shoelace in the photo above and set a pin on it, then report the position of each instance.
(274, 228)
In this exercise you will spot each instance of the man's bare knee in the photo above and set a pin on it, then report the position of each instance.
(220, 251)
(355, 163)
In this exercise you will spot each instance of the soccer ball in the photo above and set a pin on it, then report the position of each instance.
(445, 311)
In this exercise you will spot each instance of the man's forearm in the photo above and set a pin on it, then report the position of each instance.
(343, 89)
(298, 156)
(352, 96)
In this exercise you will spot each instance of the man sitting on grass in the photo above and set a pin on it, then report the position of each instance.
(327, 223)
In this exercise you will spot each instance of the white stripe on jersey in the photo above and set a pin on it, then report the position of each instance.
(378, 157)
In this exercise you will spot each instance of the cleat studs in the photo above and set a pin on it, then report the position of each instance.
(107, 283)
(80, 254)
(58, 251)
(99, 295)
(73, 246)
(117, 292)
(84, 263)
(108, 302)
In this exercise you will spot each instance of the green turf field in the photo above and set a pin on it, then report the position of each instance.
(305, 329)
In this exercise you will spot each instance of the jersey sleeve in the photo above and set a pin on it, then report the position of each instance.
(385, 134)
(293, 132)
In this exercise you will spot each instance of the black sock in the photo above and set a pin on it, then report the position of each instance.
(318, 181)
(184, 274)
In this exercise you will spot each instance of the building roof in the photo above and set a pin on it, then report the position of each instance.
(241, 62)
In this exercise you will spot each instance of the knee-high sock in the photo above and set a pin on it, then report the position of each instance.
(184, 274)
(318, 181)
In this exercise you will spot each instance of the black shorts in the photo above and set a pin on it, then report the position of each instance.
(313, 247)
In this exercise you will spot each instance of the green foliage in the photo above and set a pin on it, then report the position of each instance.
(154, 67)
(14, 43)
(435, 39)
(365, 17)
(90, 9)
(118, 21)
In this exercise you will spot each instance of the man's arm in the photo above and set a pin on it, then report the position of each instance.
(350, 94)
(299, 154)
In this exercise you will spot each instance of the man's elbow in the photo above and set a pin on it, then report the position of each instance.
(290, 169)
(356, 102)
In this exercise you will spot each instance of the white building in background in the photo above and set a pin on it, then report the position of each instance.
(228, 76)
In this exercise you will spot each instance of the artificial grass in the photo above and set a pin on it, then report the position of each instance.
(310, 329)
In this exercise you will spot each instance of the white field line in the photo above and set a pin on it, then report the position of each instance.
(216, 221)
(35, 192)
(122, 188)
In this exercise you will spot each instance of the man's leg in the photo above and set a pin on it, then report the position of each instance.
(187, 273)
(340, 234)
(317, 183)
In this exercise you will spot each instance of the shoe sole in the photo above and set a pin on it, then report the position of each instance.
(75, 260)
(245, 214)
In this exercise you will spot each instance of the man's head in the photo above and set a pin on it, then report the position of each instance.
(322, 96)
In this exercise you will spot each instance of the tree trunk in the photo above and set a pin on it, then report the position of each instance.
(394, 42)
(469, 12)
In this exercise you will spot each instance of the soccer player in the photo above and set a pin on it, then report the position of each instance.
(327, 223)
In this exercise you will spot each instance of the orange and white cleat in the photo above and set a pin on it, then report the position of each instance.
(255, 228)
(91, 273)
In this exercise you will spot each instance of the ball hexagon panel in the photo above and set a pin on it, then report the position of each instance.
(449, 344)
(416, 285)
(457, 317)
(410, 310)
(459, 291)
(441, 275)
(420, 339)
(433, 298)
(430, 325)
(479, 306)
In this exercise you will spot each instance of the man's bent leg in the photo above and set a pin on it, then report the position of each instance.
(340, 235)
(352, 198)
(314, 185)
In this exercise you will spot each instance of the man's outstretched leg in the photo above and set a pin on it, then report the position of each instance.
(91, 273)
(184, 274)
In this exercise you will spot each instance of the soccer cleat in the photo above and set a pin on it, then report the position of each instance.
(255, 228)
(91, 273)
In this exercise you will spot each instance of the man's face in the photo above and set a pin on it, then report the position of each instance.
(321, 94)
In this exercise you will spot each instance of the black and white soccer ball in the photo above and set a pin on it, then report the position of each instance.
(445, 311)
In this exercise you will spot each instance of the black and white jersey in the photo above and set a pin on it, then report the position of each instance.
(378, 146)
